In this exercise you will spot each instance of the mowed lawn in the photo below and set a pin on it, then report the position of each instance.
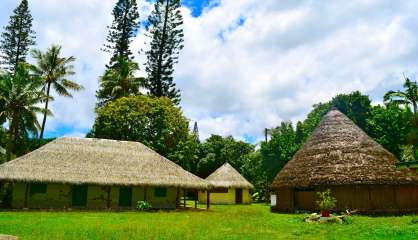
(222, 222)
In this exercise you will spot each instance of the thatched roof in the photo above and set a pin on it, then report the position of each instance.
(227, 177)
(98, 161)
(340, 153)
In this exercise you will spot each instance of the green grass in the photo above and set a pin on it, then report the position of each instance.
(222, 222)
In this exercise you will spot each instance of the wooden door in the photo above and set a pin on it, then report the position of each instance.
(238, 195)
(79, 198)
(125, 197)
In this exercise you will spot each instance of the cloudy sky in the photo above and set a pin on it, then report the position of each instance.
(247, 64)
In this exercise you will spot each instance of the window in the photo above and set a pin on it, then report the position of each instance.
(160, 192)
(219, 190)
(37, 188)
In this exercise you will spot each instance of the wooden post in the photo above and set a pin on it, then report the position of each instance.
(195, 198)
(184, 198)
(25, 203)
(178, 197)
(109, 189)
(207, 199)
(145, 193)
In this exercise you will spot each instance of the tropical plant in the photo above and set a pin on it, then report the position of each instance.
(19, 95)
(119, 81)
(54, 71)
(17, 38)
(407, 98)
(326, 200)
(143, 206)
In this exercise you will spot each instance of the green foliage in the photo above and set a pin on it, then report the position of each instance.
(155, 122)
(407, 98)
(217, 150)
(390, 125)
(119, 81)
(253, 170)
(279, 150)
(20, 96)
(355, 106)
(326, 201)
(166, 33)
(54, 70)
(124, 27)
(17, 38)
(143, 206)
(305, 128)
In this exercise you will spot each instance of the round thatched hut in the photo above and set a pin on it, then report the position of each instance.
(228, 187)
(361, 174)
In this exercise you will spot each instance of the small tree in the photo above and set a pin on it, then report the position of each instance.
(326, 201)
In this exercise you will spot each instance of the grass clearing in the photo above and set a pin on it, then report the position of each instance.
(222, 222)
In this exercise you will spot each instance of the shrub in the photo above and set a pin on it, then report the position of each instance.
(326, 201)
(143, 206)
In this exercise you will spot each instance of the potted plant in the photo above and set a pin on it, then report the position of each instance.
(326, 202)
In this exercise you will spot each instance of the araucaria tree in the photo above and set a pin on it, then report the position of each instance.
(166, 33)
(17, 38)
(124, 27)
(54, 70)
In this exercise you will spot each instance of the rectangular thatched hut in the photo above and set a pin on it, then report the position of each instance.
(361, 174)
(228, 187)
(96, 174)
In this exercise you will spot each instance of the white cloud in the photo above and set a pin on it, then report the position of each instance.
(246, 64)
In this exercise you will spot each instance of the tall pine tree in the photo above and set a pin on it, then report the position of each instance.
(165, 30)
(124, 27)
(17, 38)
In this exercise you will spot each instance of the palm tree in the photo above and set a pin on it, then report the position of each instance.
(54, 69)
(119, 81)
(407, 98)
(19, 96)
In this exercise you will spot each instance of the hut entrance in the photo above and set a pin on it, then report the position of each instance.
(305, 199)
(238, 195)
(79, 196)
(125, 197)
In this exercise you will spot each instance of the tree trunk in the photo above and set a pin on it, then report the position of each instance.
(13, 135)
(46, 109)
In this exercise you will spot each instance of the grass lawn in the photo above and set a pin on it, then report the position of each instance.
(222, 222)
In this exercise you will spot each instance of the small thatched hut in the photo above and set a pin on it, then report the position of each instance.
(361, 174)
(228, 187)
(96, 174)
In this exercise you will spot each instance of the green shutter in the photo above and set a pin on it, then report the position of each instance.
(79, 196)
(37, 188)
(160, 192)
(125, 197)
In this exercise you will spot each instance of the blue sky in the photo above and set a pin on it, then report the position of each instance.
(246, 64)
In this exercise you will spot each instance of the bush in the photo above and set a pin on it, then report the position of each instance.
(326, 201)
(143, 206)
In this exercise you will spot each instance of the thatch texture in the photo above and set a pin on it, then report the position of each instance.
(340, 153)
(98, 161)
(227, 177)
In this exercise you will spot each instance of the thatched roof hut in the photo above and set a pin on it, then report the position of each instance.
(229, 187)
(339, 154)
(227, 177)
(98, 162)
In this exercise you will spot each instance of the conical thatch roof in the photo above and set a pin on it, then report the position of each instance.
(98, 161)
(340, 153)
(227, 177)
